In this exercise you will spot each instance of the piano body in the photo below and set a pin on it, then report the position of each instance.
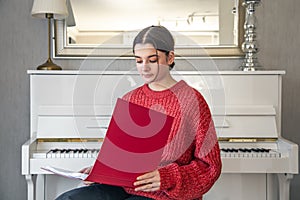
(70, 111)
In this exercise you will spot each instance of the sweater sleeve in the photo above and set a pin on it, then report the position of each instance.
(194, 179)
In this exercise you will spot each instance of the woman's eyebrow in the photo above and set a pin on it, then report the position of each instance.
(148, 56)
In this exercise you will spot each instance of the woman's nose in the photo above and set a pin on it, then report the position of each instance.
(145, 66)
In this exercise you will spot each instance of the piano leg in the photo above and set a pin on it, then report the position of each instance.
(40, 187)
(284, 186)
(31, 180)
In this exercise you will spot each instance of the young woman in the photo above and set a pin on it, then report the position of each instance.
(191, 160)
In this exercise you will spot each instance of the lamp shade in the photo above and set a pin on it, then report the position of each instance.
(56, 7)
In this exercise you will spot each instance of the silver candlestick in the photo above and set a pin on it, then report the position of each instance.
(249, 46)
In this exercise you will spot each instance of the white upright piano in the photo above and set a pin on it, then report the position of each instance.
(70, 111)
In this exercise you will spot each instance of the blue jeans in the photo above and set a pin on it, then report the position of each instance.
(99, 192)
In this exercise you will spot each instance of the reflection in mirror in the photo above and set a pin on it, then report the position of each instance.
(107, 25)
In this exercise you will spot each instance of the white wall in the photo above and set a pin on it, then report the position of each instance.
(23, 46)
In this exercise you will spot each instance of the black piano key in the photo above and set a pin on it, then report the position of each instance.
(235, 150)
(242, 150)
(248, 150)
(54, 150)
(63, 150)
(96, 150)
(268, 150)
(85, 150)
(68, 150)
(255, 150)
(263, 150)
(80, 150)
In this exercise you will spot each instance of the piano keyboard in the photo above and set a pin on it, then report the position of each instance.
(67, 153)
(225, 153)
(249, 153)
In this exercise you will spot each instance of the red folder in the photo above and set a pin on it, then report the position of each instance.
(133, 145)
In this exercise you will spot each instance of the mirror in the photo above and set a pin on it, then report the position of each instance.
(106, 28)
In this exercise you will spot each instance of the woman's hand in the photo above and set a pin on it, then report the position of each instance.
(86, 171)
(148, 182)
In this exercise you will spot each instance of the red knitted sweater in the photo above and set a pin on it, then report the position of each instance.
(191, 161)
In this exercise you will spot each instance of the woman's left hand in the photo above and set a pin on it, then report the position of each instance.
(148, 182)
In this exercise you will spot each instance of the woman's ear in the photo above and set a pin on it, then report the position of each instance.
(171, 57)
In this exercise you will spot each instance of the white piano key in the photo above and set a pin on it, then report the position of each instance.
(57, 154)
(71, 154)
(85, 154)
(39, 155)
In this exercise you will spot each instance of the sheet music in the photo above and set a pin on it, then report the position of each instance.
(65, 173)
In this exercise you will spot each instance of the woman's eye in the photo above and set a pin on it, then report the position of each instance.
(153, 61)
(139, 61)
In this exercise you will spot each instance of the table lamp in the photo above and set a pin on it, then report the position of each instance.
(49, 9)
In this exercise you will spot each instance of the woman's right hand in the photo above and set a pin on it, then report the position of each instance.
(86, 170)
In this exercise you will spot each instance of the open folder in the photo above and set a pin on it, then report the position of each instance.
(133, 145)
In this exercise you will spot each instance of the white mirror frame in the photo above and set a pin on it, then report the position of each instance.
(63, 50)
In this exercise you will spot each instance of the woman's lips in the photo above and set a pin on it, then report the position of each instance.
(147, 75)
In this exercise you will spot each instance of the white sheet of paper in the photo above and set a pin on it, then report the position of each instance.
(65, 173)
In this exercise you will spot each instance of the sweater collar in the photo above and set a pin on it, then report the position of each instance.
(159, 94)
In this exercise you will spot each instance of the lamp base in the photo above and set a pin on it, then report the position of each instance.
(49, 65)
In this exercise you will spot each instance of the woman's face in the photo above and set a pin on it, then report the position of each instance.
(152, 64)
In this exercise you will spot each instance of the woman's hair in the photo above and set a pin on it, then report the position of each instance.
(159, 37)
